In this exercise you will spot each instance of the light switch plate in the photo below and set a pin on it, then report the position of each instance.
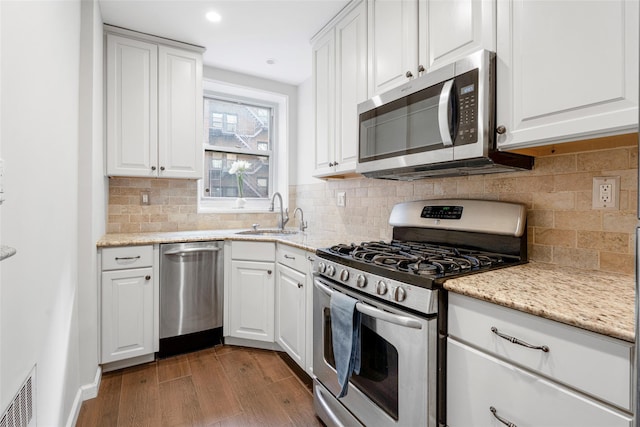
(341, 199)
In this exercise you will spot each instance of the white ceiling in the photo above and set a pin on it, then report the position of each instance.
(250, 33)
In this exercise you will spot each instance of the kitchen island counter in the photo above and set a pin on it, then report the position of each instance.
(593, 300)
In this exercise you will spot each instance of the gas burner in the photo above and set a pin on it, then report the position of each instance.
(342, 248)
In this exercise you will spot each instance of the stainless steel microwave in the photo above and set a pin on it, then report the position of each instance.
(439, 124)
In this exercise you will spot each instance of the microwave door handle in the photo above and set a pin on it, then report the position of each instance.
(443, 113)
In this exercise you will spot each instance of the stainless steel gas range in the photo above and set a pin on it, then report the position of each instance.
(397, 288)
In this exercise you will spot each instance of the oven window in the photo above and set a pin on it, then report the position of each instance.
(378, 378)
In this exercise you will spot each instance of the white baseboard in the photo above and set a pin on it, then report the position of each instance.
(85, 392)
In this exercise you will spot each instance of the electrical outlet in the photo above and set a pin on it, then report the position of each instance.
(606, 192)
(341, 199)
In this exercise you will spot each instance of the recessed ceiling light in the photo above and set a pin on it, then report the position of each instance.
(271, 61)
(213, 16)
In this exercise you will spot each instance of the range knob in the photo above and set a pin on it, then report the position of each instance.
(381, 287)
(399, 294)
(331, 270)
(344, 275)
(361, 281)
(322, 267)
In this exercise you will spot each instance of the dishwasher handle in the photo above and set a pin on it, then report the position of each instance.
(190, 251)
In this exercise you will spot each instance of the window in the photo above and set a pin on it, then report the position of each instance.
(239, 127)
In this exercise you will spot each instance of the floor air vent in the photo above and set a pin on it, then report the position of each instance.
(21, 412)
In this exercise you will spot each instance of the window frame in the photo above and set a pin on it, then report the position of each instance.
(278, 170)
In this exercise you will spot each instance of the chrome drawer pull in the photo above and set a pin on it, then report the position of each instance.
(502, 420)
(519, 342)
(118, 258)
(289, 257)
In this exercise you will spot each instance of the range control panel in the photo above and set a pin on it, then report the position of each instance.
(442, 212)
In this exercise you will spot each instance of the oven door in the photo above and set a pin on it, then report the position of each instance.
(397, 381)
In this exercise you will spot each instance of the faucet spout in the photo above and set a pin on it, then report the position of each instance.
(303, 225)
(284, 213)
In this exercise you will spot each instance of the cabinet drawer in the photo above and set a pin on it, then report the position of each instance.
(253, 251)
(594, 363)
(292, 257)
(127, 257)
(477, 382)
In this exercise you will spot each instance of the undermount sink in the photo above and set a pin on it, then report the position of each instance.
(268, 232)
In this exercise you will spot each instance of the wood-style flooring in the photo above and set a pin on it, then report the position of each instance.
(221, 386)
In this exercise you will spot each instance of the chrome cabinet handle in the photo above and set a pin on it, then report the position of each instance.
(519, 342)
(420, 68)
(153, 168)
(289, 257)
(119, 258)
(443, 113)
(331, 164)
(268, 271)
(494, 411)
(161, 168)
(311, 259)
(147, 277)
(300, 285)
(408, 74)
(501, 130)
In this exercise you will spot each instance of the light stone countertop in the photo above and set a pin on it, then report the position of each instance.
(596, 301)
(592, 300)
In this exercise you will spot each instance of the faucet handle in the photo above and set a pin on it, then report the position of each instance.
(255, 226)
(303, 225)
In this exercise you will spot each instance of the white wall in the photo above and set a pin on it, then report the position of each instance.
(39, 315)
(92, 189)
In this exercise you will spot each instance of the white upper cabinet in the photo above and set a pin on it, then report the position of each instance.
(566, 70)
(340, 84)
(393, 43)
(179, 113)
(154, 109)
(407, 37)
(132, 103)
(449, 30)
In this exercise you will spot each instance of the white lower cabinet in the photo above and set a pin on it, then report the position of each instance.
(249, 290)
(251, 300)
(294, 304)
(477, 382)
(565, 377)
(290, 312)
(128, 303)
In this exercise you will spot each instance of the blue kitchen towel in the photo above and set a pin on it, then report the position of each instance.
(345, 333)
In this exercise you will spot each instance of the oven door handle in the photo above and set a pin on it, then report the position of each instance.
(376, 313)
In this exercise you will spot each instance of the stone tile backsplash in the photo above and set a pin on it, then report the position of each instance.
(562, 227)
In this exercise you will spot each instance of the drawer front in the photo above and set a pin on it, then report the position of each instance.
(127, 257)
(292, 257)
(477, 382)
(253, 251)
(596, 364)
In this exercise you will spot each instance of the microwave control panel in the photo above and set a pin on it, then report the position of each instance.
(467, 90)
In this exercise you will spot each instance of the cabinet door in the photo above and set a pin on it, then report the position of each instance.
(127, 313)
(393, 43)
(324, 103)
(291, 312)
(477, 382)
(351, 85)
(251, 300)
(132, 107)
(180, 113)
(450, 30)
(566, 70)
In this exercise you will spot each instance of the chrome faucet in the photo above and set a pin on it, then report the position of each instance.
(303, 225)
(284, 214)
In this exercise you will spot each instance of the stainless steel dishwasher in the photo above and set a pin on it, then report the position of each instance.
(191, 286)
